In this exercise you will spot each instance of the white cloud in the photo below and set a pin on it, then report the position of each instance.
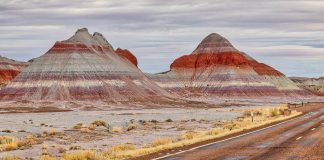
(160, 31)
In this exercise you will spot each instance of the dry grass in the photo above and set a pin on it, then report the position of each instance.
(117, 129)
(84, 155)
(99, 123)
(131, 127)
(189, 135)
(78, 126)
(8, 143)
(92, 127)
(161, 141)
(47, 157)
(10, 158)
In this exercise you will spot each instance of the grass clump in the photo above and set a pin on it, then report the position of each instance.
(189, 135)
(117, 129)
(10, 158)
(78, 126)
(161, 141)
(92, 127)
(131, 127)
(84, 155)
(99, 123)
(8, 143)
(214, 132)
(47, 157)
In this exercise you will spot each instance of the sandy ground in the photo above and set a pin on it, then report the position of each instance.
(183, 120)
(69, 139)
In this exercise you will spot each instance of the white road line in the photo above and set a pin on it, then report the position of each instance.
(299, 138)
(233, 137)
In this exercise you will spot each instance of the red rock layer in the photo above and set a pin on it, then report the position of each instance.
(9, 69)
(128, 55)
(204, 60)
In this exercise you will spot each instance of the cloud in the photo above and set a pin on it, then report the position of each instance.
(160, 31)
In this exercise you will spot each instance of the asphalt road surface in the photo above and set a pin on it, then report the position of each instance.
(299, 138)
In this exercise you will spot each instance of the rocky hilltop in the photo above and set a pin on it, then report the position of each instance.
(128, 55)
(9, 69)
(217, 69)
(84, 67)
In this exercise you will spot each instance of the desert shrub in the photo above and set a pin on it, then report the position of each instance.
(214, 131)
(84, 155)
(7, 131)
(117, 129)
(131, 127)
(230, 126)
(85, 130)
(78, 126)
(92, 127)
(8, 143)
(169, 120)
(99, 123)
(47, 157)
(120, 148)
(61, 150)
(75, 147)
(161, 141)
(154, 121)
(274, 112)
(189, 135)
(52, 132)
(10, 158)
(143, 122)
(28, 141)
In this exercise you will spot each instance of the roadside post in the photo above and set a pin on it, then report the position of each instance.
(252, 116)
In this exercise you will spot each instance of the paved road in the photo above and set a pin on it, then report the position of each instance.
(299, 138)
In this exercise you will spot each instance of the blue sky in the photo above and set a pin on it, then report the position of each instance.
(286, 34)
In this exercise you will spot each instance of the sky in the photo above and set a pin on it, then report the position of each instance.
(285, 34)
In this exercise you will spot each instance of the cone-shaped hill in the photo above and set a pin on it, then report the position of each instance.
(217, 69)
(9, 69)
(84, 67)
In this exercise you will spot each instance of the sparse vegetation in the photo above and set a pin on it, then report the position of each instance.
(99, 123)
(188, 135)
(84, 155)
(8, 143)
(261, 117)
(92, 127)
(10, 158)
(47, 157)
(161, 141)
(78, 126)
(117, 129)
(169, 120)
(75, 148)
(131, 127)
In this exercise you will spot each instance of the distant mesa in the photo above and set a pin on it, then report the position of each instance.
(128, 55)
(84, 67)
(217, 69)
(314, 85)
(9, 69)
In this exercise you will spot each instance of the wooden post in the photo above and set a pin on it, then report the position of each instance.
(252, 116)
